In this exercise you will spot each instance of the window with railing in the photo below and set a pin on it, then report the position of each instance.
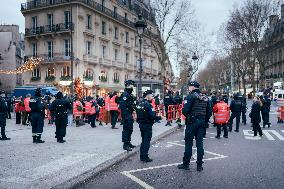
(126, 57)
(104, 51)
(67, 19)
(115, 54)
(103, 27)
(89, 22)
(67, 47)
(88, 75)
(34, 49)
(36, 73)
(116, 32)
(116, 78)
(34, 23)
(65, 73)
(50, 21)
(103, 76)
(50, 49)
(88, 47)
(115, 11)
(126, 37)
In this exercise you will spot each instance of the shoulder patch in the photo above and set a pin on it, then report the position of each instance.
(124, 98)
(153, 109)
(185, 101)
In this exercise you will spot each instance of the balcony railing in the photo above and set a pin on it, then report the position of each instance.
(97, 6)
(105, 62)
(62, 27)
(53, 57)
(90, 59)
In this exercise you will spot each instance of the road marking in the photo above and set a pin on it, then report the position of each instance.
(249, 135)
(270, 137)
(147, 186)
(47, 169)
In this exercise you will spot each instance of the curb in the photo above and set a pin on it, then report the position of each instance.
(80, 179)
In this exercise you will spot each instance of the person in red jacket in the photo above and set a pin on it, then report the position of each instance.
(221, 117)
(113, 107)
(17, 111)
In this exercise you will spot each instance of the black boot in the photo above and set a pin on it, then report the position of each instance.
(146, 160)
(126, 147)
(4, 137)
(39, 139)
(199, 168)
(34, 139)
(60, 140)
(131, 145)
(183, 166)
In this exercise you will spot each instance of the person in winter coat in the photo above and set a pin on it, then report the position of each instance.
(255, 116)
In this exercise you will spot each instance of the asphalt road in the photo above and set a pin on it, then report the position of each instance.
(241, 161)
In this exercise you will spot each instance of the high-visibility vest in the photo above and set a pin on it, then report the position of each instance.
(76, 112)
(93, 109)
(107, 101)
(221, 113)
(112, 104)
(153, 103)
(88, 106)
(27, 104)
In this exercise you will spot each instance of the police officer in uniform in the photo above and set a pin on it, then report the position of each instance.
(60, 107)
(146, 117)
(127, 106)
(37, 116)
(197, 111)
(265, 109)
(3, 114)
(236, 109)
(168, 100)
(244, 109)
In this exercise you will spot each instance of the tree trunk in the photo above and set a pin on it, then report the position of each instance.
(244, 85)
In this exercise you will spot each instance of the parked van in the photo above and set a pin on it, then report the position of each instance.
(22, 91)
(279, 97)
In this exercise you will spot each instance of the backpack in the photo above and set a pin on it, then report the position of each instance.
(199, 108)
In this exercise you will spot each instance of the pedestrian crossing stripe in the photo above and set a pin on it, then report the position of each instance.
(269, 134)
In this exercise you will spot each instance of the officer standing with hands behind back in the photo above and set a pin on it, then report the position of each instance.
(37, 116)
(127, 106)
(60, 107)
(146, 117)
(197, 111)
(3, 112)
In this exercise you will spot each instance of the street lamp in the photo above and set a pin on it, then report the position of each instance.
(140, 25)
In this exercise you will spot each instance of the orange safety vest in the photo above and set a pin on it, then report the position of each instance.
(93, 109)
(107, 101)
(221, 113)
(112, 104)
(76, 112)
(27, 104)
(88, 106)
(153, 103)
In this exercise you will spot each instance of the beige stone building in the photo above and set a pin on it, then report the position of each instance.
(11, 56)
(105, 44)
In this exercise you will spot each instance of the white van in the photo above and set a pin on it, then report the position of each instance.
(279, 96)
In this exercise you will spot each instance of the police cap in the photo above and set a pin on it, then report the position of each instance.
(147, 93)
(59, 95)
(194, 84)
(129, 82)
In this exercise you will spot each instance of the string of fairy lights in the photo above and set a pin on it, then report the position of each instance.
(29, 65)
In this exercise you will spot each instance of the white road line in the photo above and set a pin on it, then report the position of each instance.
(147, 186)
(250, 136)
(270, 137)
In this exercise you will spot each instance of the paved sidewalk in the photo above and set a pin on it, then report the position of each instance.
(27, 165)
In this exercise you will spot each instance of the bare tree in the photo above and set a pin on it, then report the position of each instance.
(172, 17)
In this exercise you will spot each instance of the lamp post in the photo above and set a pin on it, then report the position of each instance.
(140, 25)
(195, 59)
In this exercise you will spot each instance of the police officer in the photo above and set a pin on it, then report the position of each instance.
(37, 116)
(265, 109)
(197, 112)
(236, 109)
(60, 107)
(146, 116)
(168, 100)
(127, 106)
(3, 114)
(244, 108)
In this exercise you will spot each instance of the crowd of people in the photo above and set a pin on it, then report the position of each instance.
(196, 110)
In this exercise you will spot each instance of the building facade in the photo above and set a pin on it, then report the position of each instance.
(11, 56)
(273, 50)
(102, 36)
